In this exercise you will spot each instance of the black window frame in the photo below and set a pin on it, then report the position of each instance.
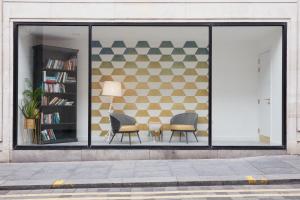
(89, 145)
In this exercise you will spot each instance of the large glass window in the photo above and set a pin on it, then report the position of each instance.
(52, 85)
(149, 85)
(162, 72)
(247, 86)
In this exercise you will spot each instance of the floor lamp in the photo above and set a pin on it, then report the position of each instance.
(111, 89)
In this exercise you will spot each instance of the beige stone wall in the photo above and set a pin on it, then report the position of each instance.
(3, 155)
(178, 10)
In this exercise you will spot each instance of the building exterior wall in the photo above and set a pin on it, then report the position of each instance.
(143, 11)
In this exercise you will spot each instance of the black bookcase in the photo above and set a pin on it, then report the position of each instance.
(65, 129)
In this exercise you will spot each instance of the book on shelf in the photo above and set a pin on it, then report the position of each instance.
(54, 88)
(56, 101)
(62, 64)
(52, 118)
(47, 135)
(58, 77)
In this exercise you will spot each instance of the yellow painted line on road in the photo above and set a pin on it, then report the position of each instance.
(58, 183)
(174, 196)
(251, 180)
(264, 181)
(153, 192)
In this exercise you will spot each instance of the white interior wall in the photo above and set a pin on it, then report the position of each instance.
(273, 43)
(234, 83)
(25, 71)
(153, 35)
(276, 107)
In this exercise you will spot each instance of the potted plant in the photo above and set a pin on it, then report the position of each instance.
(30, 106)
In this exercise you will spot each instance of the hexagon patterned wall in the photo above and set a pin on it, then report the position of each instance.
(158, 82)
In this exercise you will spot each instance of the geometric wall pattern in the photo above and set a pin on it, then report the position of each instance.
(157, 81)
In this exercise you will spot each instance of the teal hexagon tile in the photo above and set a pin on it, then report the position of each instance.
(96, 43)
(118, 44)
(190, 58)
(190, 44)
(96, 58)
(118, 58)
(106, 51)
(202, 51)
(142, 44)
(166, 44)
(130, 51)
(178, 51)
(154, 51)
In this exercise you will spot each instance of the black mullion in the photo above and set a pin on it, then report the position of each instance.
(284, 83)
(15, 85)
(210, 88)
(90, 86)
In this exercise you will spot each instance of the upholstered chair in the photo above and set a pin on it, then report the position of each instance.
(184, 123)
(123, 124)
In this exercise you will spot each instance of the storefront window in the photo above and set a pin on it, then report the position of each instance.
(52, 85)
(149, 75)
(247, 86)
(149, 85)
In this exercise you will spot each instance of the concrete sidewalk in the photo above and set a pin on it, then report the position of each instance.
(140, 173)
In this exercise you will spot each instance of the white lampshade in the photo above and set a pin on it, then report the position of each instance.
(112, 88)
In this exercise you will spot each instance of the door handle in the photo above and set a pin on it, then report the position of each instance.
(268, 100)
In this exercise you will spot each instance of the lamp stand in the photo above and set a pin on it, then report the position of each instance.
(108, 136)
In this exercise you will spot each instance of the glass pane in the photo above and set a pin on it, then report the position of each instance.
(53, 85)
(247, 86)
(163, 72)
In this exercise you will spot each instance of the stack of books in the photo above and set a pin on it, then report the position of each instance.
(48, 135)
(54, 88)
(59, 77)
(63, 65)
(53, 118)
(56, 101)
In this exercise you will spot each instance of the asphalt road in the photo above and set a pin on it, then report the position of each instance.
(245, 192)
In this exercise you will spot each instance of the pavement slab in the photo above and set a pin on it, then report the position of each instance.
(152, 173)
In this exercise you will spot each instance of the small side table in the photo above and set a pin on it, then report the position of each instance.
(155, 130)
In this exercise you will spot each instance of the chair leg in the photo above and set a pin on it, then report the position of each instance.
(137, 133)
(180, 136)
(171, 136)
(195, 136)
(112, 138)
(122, 137)
(186, 137)
(129, 138)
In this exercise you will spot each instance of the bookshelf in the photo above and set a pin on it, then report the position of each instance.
(55, 70)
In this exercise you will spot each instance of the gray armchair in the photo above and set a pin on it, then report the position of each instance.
(123, 124)
(184, 123)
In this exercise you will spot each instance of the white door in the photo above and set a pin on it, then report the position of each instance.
(264, 94)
